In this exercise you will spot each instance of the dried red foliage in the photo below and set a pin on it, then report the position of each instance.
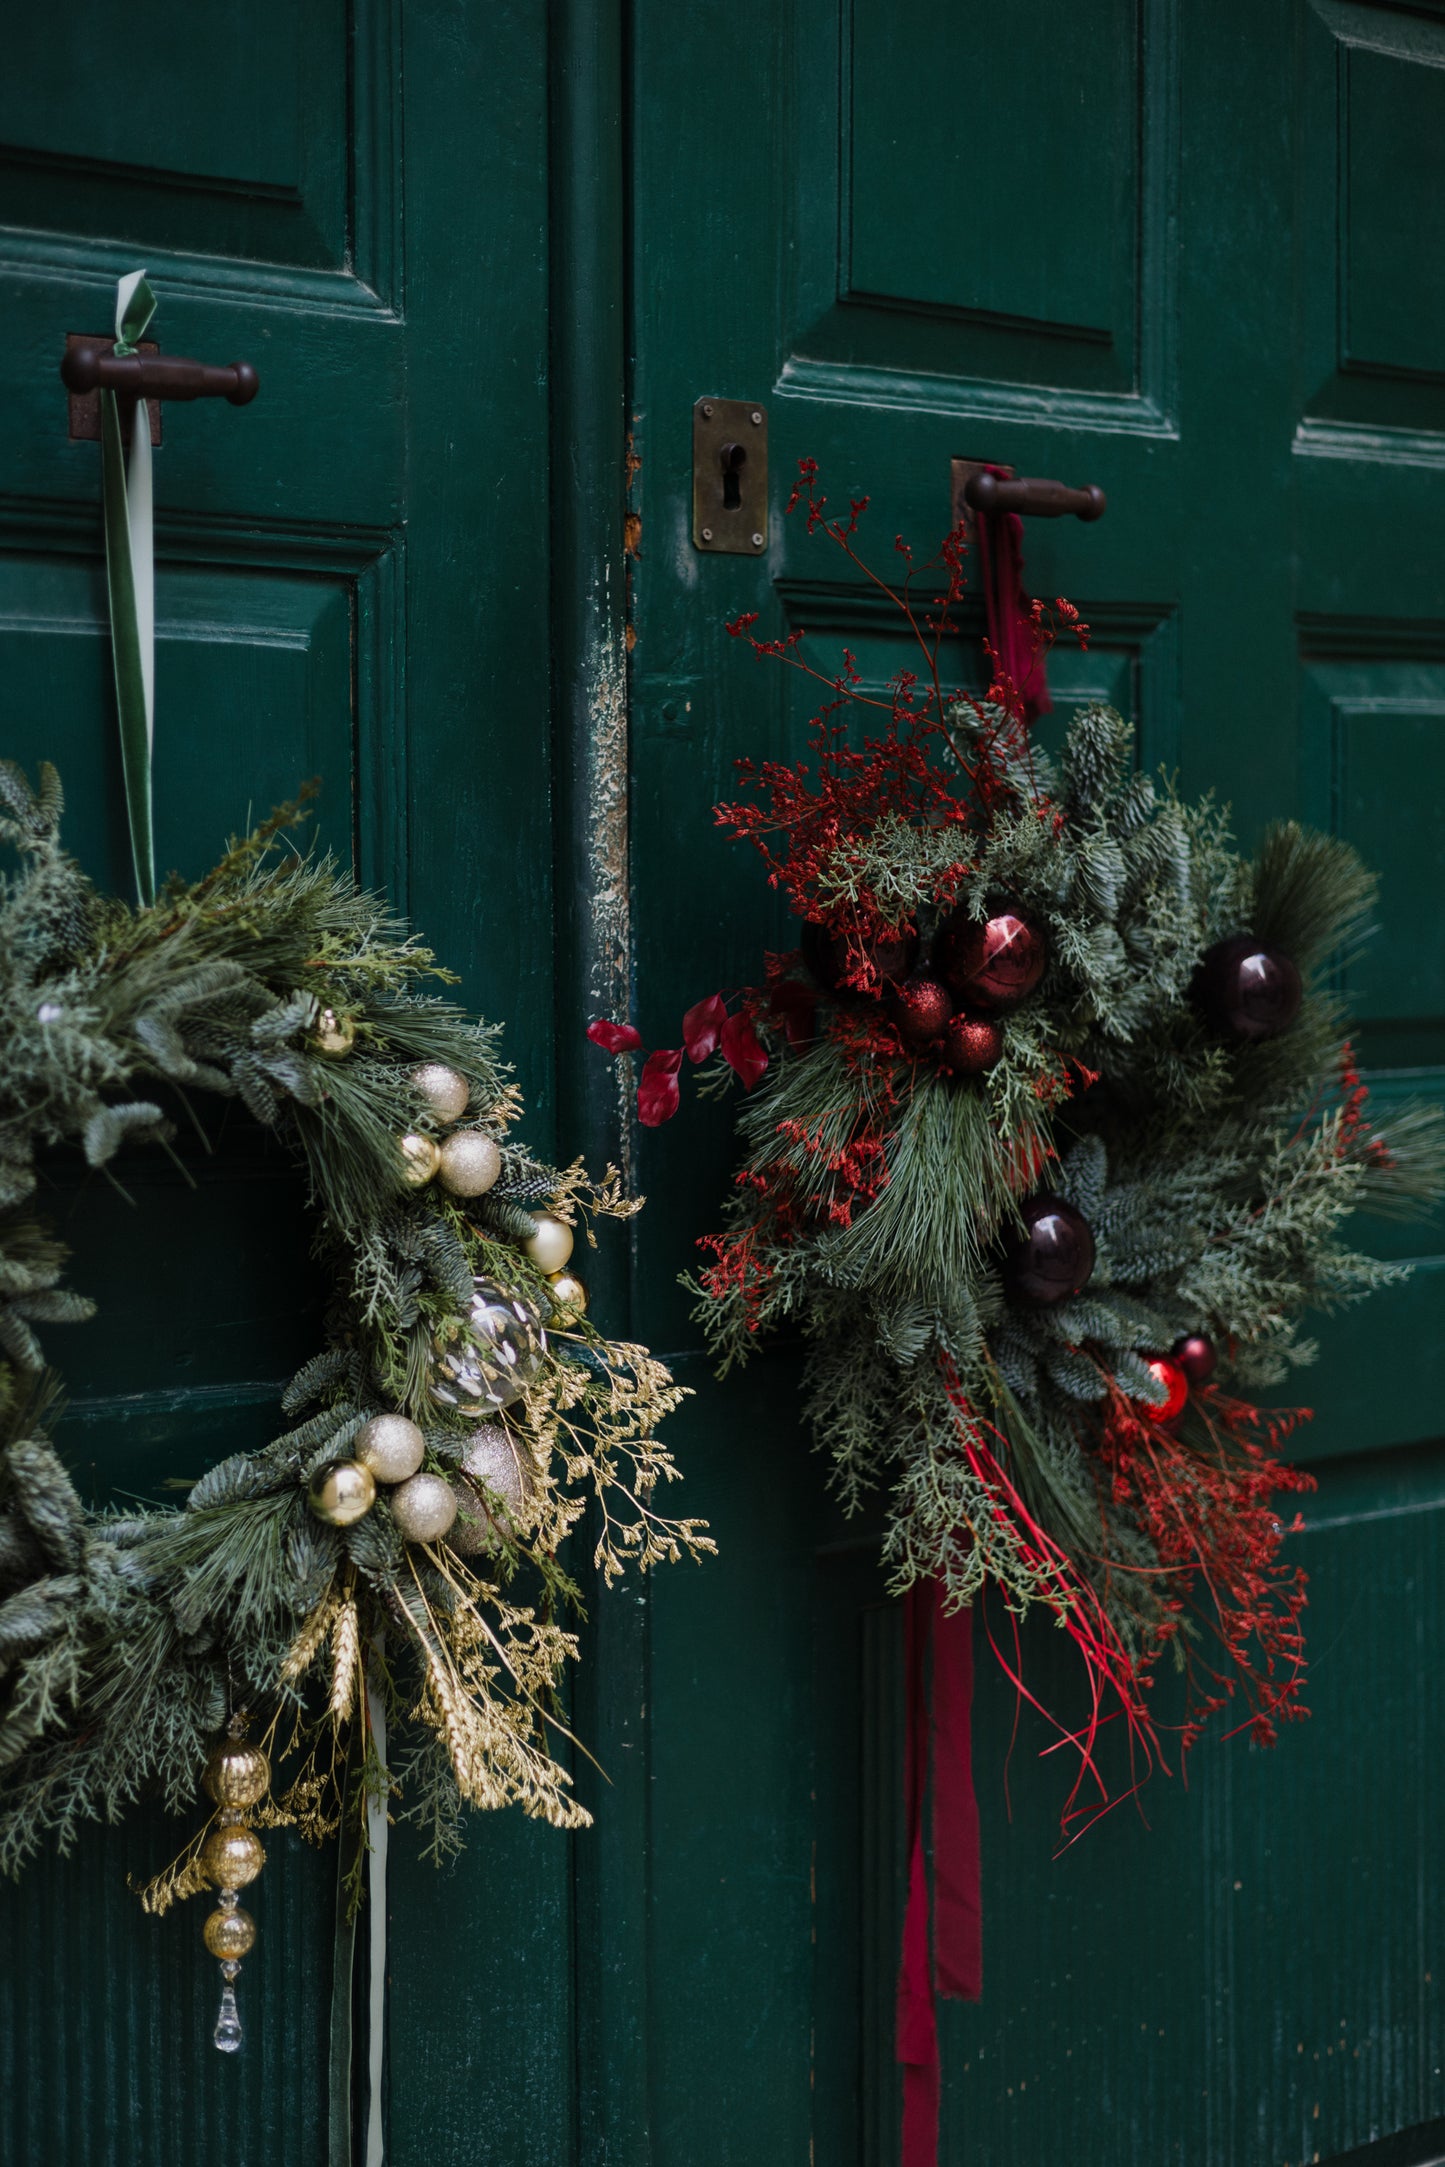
(1205, 1501)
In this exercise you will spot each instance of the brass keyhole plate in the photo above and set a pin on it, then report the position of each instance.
(722, 429)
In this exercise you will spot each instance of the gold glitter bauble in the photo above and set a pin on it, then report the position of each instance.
(232, 1857)
(569, 1296)
(237, 1774)
(342, 1493)
(390, 1446)
(424, 1508)
(333, 1035)
(470, 1163)
(445, 1092)
(549, 1245)
(423, 1155)
(230, 1935)
(492, 1361)
(495, 1490)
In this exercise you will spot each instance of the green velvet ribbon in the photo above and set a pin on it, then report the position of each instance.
(130, 582)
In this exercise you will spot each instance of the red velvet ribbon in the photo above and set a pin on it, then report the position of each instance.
(1012, 634)
(957, 1966)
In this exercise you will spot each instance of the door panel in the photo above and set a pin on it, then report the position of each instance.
(352, 583)
(1165, 254)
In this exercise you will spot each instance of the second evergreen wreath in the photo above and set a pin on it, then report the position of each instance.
(1053, 1131)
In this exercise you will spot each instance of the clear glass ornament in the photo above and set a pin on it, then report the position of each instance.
(227, 2033)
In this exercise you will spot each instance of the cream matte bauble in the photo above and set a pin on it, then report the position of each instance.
(343, 1493)
(445, 1092)
(549, 1244)
(232, 1857)
(470, 1163)
(422, 1155)
(496, 1485)
(424, 1508)
(390, 1447)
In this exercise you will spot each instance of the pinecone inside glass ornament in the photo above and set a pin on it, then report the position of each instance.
(491, 1361)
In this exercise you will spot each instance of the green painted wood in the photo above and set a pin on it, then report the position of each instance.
(1163, 256)
(353, 582)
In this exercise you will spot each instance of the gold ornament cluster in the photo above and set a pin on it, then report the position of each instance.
(484, 1373)
(237, 1777)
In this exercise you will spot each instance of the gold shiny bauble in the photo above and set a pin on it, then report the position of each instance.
(495, 1490)
(237, 1774)
(470, 1163)
(342, 1493)
(333, 1035)
(423, 1156)
(229, 1935)
(390, 1446)
(445, 1092)
(569, 1296)
(232, 1857)
(549, 1245)
(424, 1508)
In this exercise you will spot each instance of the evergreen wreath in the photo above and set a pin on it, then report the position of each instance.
(1052, 1135)
(402, 1537)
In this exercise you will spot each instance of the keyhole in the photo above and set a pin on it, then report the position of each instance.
(734, 459)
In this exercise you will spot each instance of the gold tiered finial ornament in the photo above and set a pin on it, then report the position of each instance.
(237, 1777)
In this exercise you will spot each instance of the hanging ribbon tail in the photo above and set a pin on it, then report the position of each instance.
(957, 1860)
(130, 583)
(957, 1969)
(1011, 631)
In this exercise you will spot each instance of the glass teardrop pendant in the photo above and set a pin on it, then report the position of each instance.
(227, 2033)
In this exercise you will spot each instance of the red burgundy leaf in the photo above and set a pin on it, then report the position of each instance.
(657, 1094)
(742, 1049)
(613, 1037)
(702, 1027)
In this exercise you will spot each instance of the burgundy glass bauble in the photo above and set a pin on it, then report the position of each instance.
(1247, 989)
(892, 953)
(995, 963)
(972, 1044)
(920, 1006)
(1196, 1356)
(1169, 1375)
(1054, 1255)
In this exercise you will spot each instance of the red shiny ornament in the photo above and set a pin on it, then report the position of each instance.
(1054, 1256)
(1196, 1356)
(1175, 1384)
(920, 1007)
(995, 964)
(1247, 989)
(972, 1044)
(828, 955)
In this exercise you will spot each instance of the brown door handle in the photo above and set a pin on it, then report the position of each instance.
(987, 492)
(156, 376)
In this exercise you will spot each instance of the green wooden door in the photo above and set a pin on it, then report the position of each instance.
(1194, 255)
(352, 583)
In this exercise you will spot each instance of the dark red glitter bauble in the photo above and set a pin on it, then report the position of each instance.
(1196, 1356)
(995, 964)
(1247, 989)
(972, 1044)
(891, 952)
(920, 1007)
(1054, 1255)
(1176, 1386)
